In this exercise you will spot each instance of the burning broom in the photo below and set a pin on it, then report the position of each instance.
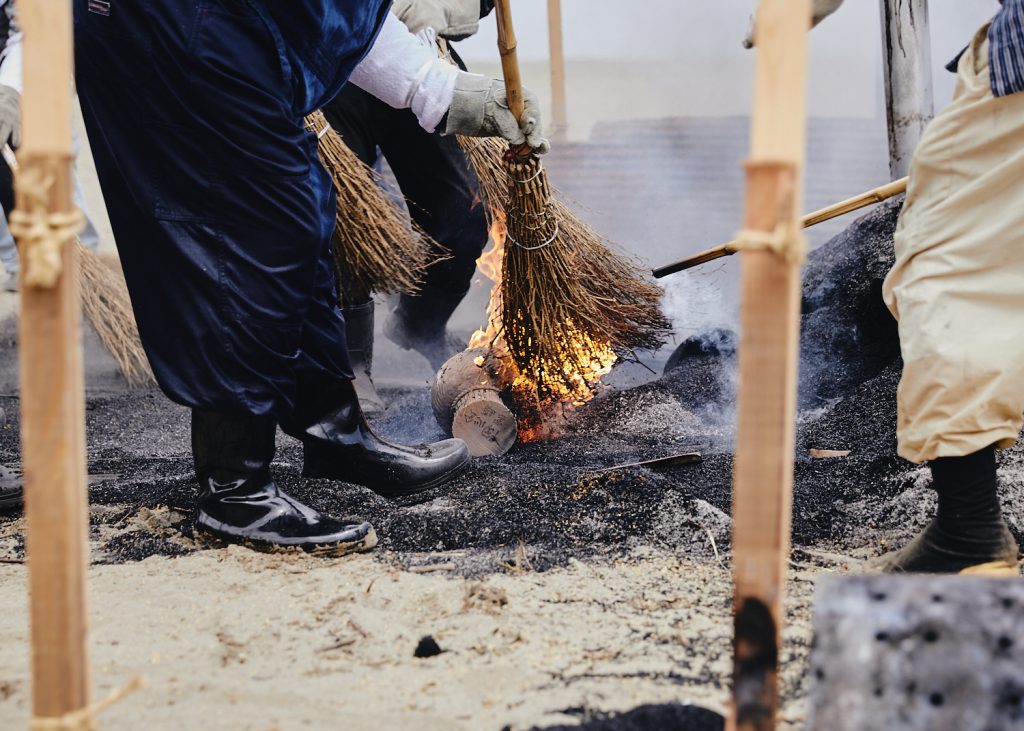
(374, 249)
(566, 297)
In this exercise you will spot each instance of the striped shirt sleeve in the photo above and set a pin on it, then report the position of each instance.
(1006, 49)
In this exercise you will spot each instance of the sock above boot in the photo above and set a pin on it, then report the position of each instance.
(968, 529)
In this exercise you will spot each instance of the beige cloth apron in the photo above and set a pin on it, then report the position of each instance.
(957, 287)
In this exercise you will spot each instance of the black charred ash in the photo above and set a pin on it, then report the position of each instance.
(545, 496)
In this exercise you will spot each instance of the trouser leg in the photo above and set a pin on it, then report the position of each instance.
(8, 249)
(957, 287)
(221, 212)
(434, 175)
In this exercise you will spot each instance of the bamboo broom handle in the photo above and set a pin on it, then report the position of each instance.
(835, 210)
(856, 203)
(509, 58)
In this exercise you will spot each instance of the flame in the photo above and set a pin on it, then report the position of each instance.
(539, 418)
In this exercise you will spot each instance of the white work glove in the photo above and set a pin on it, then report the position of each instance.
(820, 9)
(451, 19)
(480, 109)
(10, 116)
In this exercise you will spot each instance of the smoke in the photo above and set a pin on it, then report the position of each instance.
(659, 101)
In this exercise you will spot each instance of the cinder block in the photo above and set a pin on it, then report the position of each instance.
(920, 653)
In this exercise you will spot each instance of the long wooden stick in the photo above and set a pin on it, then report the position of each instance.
(556, 46)
(507, 47)
(770, 317)
(52, 401)
(877, 195)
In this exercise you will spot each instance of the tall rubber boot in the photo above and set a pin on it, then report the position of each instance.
(239, 502)
(359, 330)
(339, 445)
(968, 535)
(420, 323)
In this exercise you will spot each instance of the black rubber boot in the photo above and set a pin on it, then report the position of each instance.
(359, 331)
(339, 445)
(420, 323)
(968, 535)
(239, 502)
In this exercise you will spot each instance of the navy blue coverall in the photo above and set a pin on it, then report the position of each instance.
(220, 207)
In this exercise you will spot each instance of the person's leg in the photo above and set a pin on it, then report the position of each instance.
(9, 256)
(8, 248)
(89, 236)
(352, 114)
(216, 215)
(223, 217)
(956, 289)
(444, 200)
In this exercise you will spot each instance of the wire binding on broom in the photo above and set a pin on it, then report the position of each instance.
(375, 250)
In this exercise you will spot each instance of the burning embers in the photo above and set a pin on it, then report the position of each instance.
(542, 397)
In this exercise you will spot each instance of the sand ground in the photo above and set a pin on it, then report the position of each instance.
(231, 639)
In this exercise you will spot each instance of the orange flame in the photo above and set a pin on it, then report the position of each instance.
(538, 418)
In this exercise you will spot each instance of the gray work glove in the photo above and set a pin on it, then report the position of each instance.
(451, 19)
(820, 9)
(480, 109)
(10, 116)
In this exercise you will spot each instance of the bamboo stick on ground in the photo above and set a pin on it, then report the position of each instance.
(877, 195)
(375, 250)
(50, 355)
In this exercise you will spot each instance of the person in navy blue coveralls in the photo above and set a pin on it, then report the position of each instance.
(223, 216)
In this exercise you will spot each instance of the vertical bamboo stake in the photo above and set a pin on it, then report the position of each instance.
(52, 401)
(770, 312)
(907, 60)
(559, 111)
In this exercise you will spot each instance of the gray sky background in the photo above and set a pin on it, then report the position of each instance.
(689, 50)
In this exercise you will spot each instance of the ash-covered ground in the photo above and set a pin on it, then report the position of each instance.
(544, 503)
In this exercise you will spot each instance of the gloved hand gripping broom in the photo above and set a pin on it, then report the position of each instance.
(565, 296)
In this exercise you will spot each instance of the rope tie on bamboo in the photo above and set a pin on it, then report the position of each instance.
(42, 234)
(785, 241)
(83, 718)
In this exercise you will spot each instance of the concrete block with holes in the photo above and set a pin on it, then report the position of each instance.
(918, 653)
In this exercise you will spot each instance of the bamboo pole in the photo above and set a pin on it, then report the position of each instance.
(52, 401)
(877, 195)
(559, 109)
(770, 316)
(907, 61)
(508, 49)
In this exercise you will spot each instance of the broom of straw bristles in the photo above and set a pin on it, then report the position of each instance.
(566, 297)
(106, 303)
(374, 249)
(565, 293)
